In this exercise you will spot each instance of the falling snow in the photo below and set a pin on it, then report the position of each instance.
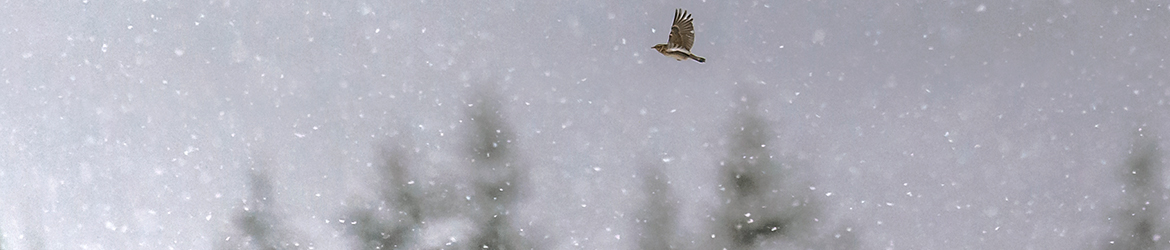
(850, 125)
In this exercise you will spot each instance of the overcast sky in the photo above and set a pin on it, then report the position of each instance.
(921, 125)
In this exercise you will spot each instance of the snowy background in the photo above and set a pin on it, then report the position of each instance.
(885, 124)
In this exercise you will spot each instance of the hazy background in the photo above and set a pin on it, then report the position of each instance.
(911, 125)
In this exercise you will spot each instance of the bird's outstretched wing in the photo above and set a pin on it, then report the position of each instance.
(682, 32)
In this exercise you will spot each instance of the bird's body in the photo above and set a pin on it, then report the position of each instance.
(682, 36)
(678, 53)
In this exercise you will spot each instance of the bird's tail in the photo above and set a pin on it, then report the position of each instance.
(698, 58)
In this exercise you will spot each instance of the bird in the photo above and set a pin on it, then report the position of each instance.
(682, 36)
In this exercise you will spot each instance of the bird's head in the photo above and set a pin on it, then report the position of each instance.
(659, 47)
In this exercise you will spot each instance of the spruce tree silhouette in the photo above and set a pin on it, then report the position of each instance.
(261, 227)
(657, 217)
(758, 201)
(257, 221)
(397, 196)
(494, 182)
(1144, 200)
(497, 183)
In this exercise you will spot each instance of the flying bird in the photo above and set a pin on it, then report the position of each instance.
(682, 35)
